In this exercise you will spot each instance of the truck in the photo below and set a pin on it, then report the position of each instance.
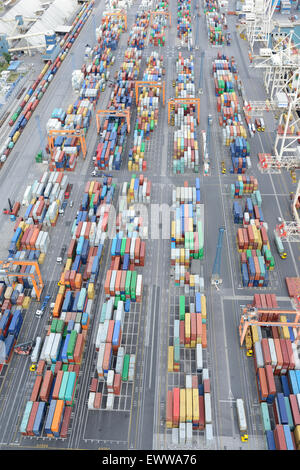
(39, 312)
(60, 258)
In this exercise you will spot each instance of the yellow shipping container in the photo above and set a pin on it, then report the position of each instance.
(26, 303)
(182, 413)
(62, 289)
(68, 264)
(203, 306)
(297, 434)
(41, 258)
(195, 405)
(187, 327)
(192, 280)
(170, 358)
(254, 332)
(189, 404)
(91, 291)
(91, 188)
(284, 331)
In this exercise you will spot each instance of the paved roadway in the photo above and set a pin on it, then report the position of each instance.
(141, 424)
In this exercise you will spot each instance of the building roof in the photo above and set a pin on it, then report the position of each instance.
(59, 14)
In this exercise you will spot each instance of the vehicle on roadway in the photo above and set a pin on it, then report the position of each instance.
(39, 313)
(60, 258)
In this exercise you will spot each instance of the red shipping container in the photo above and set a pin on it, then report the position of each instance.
(110, 331)
(57, 384)
(66, 421)
(279, 437)
(279, 356)
(169, 407)
(29, 427)
(295, 409)
(176, 405)
(289, 349)
(46, 386)
(181, 332)
(270, 380)
(97, 400)
(206, 384)
(261, 381)
(201, 413)
(36, 388)
(117, 384)
(266, 351)
(285, 356)
(40, 367)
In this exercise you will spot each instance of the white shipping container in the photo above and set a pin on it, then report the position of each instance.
(207, 407)
(91, 400)
(110, 401)
(36, 350)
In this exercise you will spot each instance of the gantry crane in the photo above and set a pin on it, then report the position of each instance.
(113, 112)
(259, 23)
(118, 13)
(167, 14)
(215, 277)
(174, 101)
(67, 133)
(251, 316)
(6, 269)
(150, 84)
(290, 230)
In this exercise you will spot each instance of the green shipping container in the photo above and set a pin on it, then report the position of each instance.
(117, 298)
(133, 285)
(70, 386)
(125, 368)
(63, 386)
(181, 307)
(265, 416)
(60, 326)
(53, 325)
(123, 246)
(71, 344)
(65, 367)
(127, 283)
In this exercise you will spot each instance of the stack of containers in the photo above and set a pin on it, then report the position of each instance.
(245, 185)
(10, 324)
(63, 347)
(147, 112)
(37, 90)
(113, 130)
(277, 369)
(253, 242)
(215, 34)
(78, 116)
(184, 19)
(157, 33)
(185, 138)
(122, 286)
(189, 409)
(187, 237)
(138, 31)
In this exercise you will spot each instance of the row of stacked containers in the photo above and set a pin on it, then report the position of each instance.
(63, 346)
(185, 143)
(30, 242)
(90, 82)
(48, 411)
(216, 24)
(123, 285)
(184, 20)
(147, 112)
(159, 25)
(252, 239)
(188, 408)
(277, 372)
(112, 141)
(34, 94)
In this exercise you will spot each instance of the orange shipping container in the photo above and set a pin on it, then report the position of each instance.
(58, 305)
(57, 385)
(57, 416)
(204, 339)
